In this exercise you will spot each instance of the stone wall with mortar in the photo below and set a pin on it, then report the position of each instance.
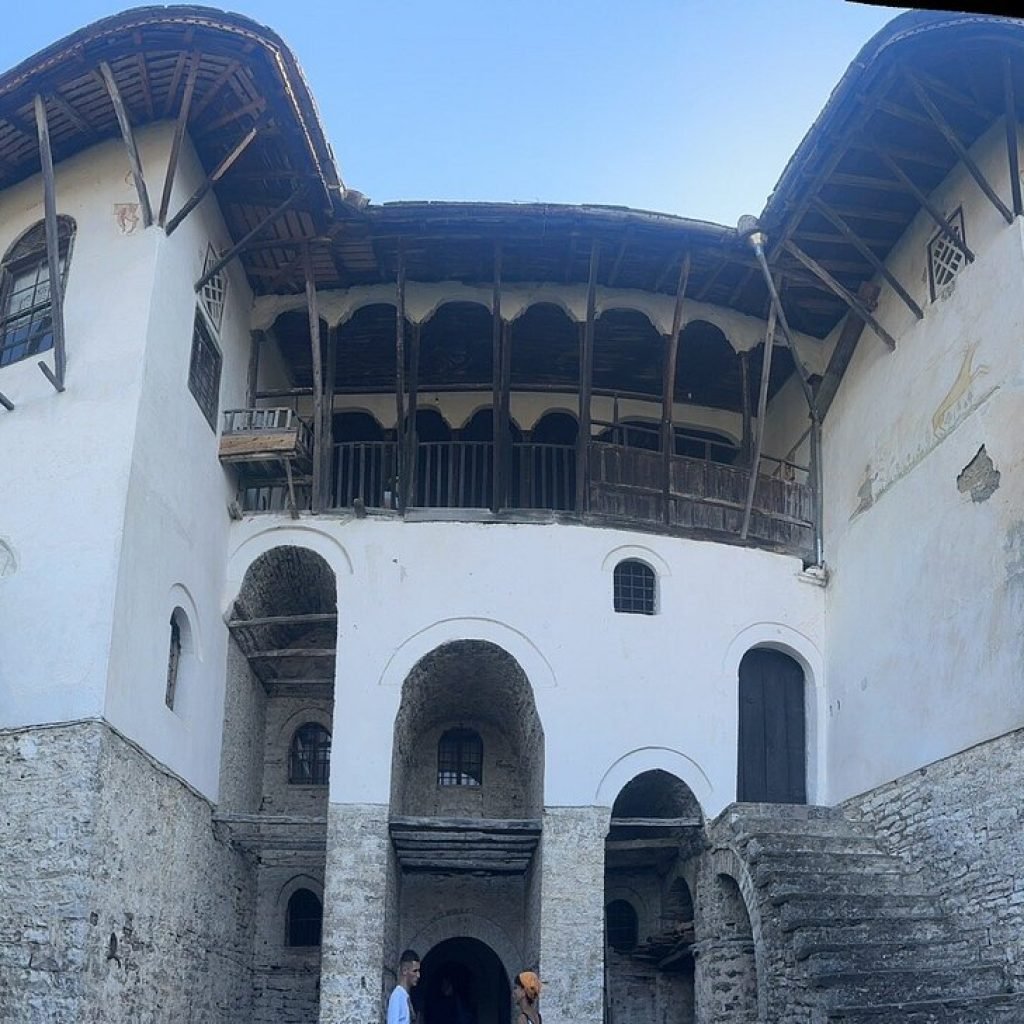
(123, 904)
(961, 823)
(242, 751)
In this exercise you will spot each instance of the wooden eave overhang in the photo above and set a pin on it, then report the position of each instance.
(243, 80)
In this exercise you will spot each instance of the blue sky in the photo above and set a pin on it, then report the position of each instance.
(684, 106)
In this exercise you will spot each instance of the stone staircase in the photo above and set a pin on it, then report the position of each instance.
(863, 940)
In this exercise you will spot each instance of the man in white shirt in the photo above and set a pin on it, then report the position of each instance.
(399, 1007)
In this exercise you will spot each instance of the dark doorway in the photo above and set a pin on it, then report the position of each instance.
(772, 731)
(462, 981)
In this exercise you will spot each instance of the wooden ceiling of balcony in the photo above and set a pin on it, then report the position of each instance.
(916, 98)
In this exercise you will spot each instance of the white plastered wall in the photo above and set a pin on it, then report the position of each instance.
(927, 591)
(610, 689)
(64, 458)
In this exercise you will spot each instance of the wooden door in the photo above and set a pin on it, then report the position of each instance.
(772, 731)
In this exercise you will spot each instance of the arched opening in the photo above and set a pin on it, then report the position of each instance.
(365, 460)
(463, 981)
(456, 347)
(544, 468)
(634, 588)
(545, 348)
(467, 795)
(772, 740)
(655, 835)
(275, 764)
(180, 661)
(728, 961)
(367, 354)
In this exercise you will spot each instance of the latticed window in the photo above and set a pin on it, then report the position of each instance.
(214, 291)
(26, 321)
(305, 919)
(309, 758)
(634, 588)
(621, 925)
(204, 370)
(460, 758)
(945, 258)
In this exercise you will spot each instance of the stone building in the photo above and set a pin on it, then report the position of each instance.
(535, 586)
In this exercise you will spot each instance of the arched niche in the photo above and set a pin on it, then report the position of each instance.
(291, 333)
(456, 346)
(545, 347)
(366, 354)
(475, 685)
(629, 354)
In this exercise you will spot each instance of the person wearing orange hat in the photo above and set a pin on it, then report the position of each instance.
(526, 996)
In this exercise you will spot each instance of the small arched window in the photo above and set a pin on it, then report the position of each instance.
(634, 590)
(26, 322)
(621, 925)
(460, 758)
(309, 757)
(304, 919)
(178, 627)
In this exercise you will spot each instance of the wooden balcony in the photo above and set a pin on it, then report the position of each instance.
(262, 438)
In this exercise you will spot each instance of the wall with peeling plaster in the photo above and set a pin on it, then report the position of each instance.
(925, 602)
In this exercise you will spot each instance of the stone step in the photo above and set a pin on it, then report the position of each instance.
(861, 907)
(832, 957)
(994, 1009)
(908, 984)
(763, 825)
(823, 931)
(787, 812)
(763, 845)
(777, 884)
(866, 861)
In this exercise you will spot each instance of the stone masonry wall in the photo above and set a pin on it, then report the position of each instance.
(961, 822)
(124, 906)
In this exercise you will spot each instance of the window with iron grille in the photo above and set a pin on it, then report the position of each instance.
(204, 370)
(621, 925)
(634, 588)
(309, 758)
(26, 321)
(945, 258)
(305, 919)
(173, 661)
(460, 758)
(214, 291)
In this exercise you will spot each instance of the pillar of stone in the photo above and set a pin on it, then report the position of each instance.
(355, 898)
(572, 914)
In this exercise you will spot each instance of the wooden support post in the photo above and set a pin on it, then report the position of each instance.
(294, 509)
(179, 135)
(505, 452)
(816, 484)
(498, 428)
(956, 145)
(252, 381)
(747, 416)
(212, 178)
(847, 296)
(668, 387)
(129, 142)
(56, 378)
(865, 250)
(586, 385)
(410, 429)
(849, 335)
(762, 406)
(220, 264)
(328, 485)
(400, 423)
(933, 211)
(1012, 144)
(6, 402)
(313, 308)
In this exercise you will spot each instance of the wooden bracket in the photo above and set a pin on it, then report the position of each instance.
(129, 142)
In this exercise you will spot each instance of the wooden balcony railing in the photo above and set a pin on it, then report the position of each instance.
(627, 487)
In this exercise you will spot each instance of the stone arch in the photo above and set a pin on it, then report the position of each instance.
(478, 685)
(644, 759)
(804, 651)
(459, 924)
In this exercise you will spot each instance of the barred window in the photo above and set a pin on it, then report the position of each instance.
(945, 259)
(204, 370)
(621, 925)
(305, 919)
(309, 758)
(460, 758)
(26, 321)
(634, 589)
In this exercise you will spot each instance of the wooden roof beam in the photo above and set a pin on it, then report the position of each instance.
(215, 87)
(847, 296)
(941, 88)
(833, 218)
(1012, 143)
(956, 145)
(920, 156)
(147, 90)
(179, 135)
(71, 114)
(305, 619)
(933, 211)
(254, 107)
(129, 141)
(846, 345)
